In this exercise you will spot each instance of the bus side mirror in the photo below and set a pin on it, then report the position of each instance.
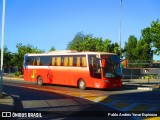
(103, 62)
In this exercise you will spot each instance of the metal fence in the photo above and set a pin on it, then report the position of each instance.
(141, 73)
(142, 64)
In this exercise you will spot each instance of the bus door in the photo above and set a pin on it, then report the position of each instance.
(94, 67)
(29, 73)
(25, 68)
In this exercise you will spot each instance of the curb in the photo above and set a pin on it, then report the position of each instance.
(12, 78)
(147, 88)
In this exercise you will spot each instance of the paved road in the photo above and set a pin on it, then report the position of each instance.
(127, 99)
(53, 105)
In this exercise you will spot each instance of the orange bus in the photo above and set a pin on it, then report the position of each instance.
(82, 69)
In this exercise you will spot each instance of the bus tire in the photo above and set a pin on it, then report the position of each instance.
(40, 80)
(82, 84)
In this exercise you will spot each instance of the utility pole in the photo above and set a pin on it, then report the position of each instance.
(120, 31)
(2, 46)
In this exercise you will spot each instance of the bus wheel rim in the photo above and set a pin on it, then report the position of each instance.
(81, 84)
(39, 81)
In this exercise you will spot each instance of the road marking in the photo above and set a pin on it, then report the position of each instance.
(99, 99)
(113, 102)
(140, 107)
(130, 106)
(104, 100)
(121, 104)
(152, 118)
(108, 100)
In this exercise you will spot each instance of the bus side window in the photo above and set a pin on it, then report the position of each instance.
(78, 61)
(74, 61)
(58, 61)
(84, 62)
(65, 62)
(53, 61)
(38, 62)
(92, 61)
(96, 65)
(28, 61)
(91, 64)
(34, 62)
(62, 61)
(70, 61)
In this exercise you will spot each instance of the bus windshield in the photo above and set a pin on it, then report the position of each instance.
(111, 66)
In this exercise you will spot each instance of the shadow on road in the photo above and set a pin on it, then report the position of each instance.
(56, 106)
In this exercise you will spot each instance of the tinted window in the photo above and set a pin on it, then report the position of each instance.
(34, 60)
(59, 60)
(94, 66)
(45, 60)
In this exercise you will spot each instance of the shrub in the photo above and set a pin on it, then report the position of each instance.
(17, 74)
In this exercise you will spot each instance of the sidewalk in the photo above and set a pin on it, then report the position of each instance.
(6, 103)
(143, 84)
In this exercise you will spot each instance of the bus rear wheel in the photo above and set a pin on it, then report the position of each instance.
(82, 84)
(40, 80)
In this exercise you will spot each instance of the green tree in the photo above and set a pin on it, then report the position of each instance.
(116, 49)
(99, 44)
(147, 43)
(139, 52)
(155, 35)
(8, 58)
(152, 36)
(130, 48)
(89, 43)
(77, 42)
(22, 50)
(83, 42)
(146, 35)
(143, 51)
(106, 46)
(52, 49)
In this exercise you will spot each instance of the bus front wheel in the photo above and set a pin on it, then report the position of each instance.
(40, 80)
(82, 84)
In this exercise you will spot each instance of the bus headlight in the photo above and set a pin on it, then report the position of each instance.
(106, 81)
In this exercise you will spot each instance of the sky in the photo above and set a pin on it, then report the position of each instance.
(47, 23)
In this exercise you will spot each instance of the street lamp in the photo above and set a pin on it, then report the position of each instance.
(2, 46)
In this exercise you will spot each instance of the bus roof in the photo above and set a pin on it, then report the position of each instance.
(68, 52)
